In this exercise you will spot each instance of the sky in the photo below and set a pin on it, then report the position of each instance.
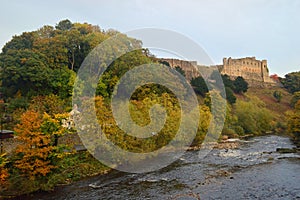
(266, 29)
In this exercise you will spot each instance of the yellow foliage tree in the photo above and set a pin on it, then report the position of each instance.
(3, 171)
(294, 121)
(35, 148)
(56, 126)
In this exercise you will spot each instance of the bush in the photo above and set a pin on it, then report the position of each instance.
(253, 117)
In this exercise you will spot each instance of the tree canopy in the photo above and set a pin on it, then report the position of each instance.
(292, 82)
(45, 61)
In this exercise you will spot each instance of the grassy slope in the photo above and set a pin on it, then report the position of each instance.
(266, 95)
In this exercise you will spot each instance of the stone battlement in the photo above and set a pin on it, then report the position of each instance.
(189, 67)
(254, 71)
(249, 68)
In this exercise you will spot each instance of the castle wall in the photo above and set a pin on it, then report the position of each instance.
(188, 66)
(249, 68)
(254, 71)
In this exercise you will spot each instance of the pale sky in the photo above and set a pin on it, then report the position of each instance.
(267, 29)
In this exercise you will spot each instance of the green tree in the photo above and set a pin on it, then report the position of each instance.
(24, 71)
(64, 25)
(229, 95)
(240, 85)
(21, 42)
(204, 122)
(46, 32)
(227, 81)
(295, 99)
(199, 85)
(292, 82)
(253, 116)
(277, 95)
(294, 121)
(37, 62)
(180, 70)
(50, 104)
(164, 63)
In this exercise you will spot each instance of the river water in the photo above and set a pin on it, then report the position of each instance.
(255, 170)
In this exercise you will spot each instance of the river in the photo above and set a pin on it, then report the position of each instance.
(255, 170)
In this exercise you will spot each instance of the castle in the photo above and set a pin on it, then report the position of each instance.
(254, 71)
(189, 67)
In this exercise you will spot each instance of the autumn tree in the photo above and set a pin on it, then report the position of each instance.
(56, 126)
(275, 77)
(294, 121)
(3, 171)
(45, 61)
(50, 104)
(253, 116)
(295, 98)
(35, 149)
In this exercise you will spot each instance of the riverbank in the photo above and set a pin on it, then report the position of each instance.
(81, 166)
(72, 168)
(253, 170)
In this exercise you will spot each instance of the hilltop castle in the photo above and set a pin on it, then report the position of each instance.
(254, 71)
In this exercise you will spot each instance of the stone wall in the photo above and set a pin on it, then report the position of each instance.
(9, 145)
(188, 66)
(254, 71)
(249, 68)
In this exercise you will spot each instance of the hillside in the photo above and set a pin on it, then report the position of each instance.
(266, 95)
(38, 70)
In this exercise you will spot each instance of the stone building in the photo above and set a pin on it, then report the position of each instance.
(254, 71)
(189, 67)
(249, 68)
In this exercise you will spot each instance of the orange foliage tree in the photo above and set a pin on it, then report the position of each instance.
(35, 148)
(3, 171)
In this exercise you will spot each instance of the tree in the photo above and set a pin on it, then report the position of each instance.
(278, 95)
(56, 126)
(50, 104)
(21, 42)
(25, 71)
(37, 62)
(253, 116)
(294, 121)
(64, 25)
(295, 99)
(275, 77)
(292, 82)
(227, 81)
(204, 122)
(46, 32)
(240, 85)
(35, 149)
(3, 170)
(229, 95)
(164, 63)
(180, 70)
(199, 85)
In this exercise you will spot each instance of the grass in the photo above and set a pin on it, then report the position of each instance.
(266, 95)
